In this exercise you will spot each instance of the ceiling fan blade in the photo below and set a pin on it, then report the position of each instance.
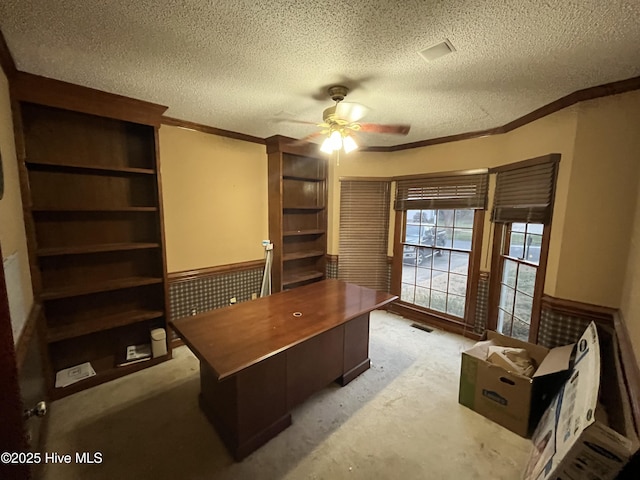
(351, 112)
(306, 139)
(377, 128)
(291, 120)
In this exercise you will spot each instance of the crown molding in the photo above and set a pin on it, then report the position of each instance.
(27, 87)
(198, 127)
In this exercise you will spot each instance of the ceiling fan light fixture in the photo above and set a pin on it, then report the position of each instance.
(349, 144)
(336, 140)
(326, 146)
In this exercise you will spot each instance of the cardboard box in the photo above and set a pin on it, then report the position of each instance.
(514, 401)
(587, 433)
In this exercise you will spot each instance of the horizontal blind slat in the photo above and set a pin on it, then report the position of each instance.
(525, 194)
(364, 223)
(433, 192)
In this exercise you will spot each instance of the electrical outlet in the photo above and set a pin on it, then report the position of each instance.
(194, 311)
(232, 300)
(254, 296)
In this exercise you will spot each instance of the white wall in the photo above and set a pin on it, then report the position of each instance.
(12, 232)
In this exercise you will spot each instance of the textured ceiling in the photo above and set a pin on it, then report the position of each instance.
(244, 65)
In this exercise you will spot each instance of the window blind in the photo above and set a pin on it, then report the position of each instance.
(458, 190)
(364, 230)
(525, 191)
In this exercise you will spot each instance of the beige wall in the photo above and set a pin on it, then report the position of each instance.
(214, 193)
(630, 304)
(601, 200)
(554, 133)
(12, 232)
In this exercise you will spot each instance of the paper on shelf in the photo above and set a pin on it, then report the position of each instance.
(138, 352)
(71, 375)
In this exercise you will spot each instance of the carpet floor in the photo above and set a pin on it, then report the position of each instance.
(398, 420)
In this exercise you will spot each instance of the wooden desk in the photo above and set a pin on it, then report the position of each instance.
(258, 360)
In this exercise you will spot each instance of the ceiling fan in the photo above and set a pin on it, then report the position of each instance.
(340, 123)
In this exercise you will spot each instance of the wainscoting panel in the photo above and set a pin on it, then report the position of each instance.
(564, 321)
(331, 266)
(202, 290)
(482, 304)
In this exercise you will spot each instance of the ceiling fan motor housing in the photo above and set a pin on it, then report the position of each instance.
(338, 92)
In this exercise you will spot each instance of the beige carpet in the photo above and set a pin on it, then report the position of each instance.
(398, 420)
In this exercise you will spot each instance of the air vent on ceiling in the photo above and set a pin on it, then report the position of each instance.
(436, 51)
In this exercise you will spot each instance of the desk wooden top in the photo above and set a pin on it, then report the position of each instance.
(232, 338)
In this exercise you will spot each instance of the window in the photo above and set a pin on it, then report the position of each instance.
(437, 244)
(520, 254)
(522, 210)
(435, 259)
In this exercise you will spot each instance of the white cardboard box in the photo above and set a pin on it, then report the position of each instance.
(587, 432)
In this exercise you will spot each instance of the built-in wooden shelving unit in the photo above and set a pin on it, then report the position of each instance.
(297, 213)
(91, 191)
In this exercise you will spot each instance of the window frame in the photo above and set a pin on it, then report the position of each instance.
(418, 312)
(498, 255)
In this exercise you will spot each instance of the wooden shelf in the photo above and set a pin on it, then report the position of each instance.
(289, 278)
(82, 249)
(302, 178)
(297, 233)
(99, 324)
(96, 287)
(80, 209)
(299, 255)
(300, 207)
(106, 370)
(91, 169)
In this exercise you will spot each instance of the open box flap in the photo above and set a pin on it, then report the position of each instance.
(557, 360)
(537, 352)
